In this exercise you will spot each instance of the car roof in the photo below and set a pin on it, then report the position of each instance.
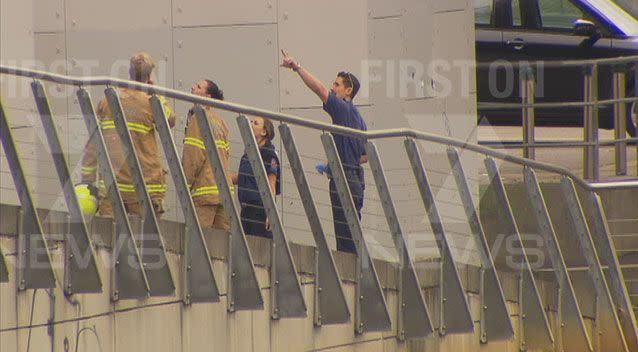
(615, 16)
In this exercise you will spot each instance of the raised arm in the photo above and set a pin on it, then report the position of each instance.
(311, 81)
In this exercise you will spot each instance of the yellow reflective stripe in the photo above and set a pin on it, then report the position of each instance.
(167, 108)
(208, 190)
(195, 142)
(88, 170)
(107, 125)
(138, 126)
(200, 193)
(222, 145)
(156, 188)
(132, 126)
(200, 143)
(133, 129)
(129, 188)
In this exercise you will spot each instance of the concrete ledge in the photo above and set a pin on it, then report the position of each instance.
(102, 229)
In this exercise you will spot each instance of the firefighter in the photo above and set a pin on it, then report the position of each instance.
(141, 124)
(197, 167)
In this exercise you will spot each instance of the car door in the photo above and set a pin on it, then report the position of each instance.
(492, 57)
(545, 33)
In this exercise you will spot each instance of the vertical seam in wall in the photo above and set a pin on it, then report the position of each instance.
(171, 57)
(281, 145)
(172, 54)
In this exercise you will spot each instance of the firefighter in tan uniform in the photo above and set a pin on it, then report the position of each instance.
(141, 124)
(197, 168)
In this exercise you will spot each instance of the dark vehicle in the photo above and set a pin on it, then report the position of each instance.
(510, 31)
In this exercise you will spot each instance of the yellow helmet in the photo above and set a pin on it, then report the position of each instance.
(88, 202)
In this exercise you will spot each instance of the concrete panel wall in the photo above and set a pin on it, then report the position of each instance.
(390, 46)
(16, 49)
(194, 13)
(95, 323)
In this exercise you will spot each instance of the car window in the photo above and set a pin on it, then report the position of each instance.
(559, 14)
(516, 13)
(482, 11)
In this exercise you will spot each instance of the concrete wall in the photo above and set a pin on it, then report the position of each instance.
(410, 55)
(94, 322)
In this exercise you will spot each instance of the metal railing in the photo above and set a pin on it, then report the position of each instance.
(615, 316)
(591, 144)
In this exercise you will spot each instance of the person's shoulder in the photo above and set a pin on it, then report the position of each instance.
(216, 120)
(268, 151)
(333, 100)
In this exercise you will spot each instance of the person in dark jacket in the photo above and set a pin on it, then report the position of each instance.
(253, 215)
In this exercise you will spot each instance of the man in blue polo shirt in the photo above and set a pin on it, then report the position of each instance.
(337, 102)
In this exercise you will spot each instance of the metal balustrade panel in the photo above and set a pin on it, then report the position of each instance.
(330, 301)
(285, 290)
(81, 272)
(371, 310)
(243, 288)
(610, 336)
(495, 320)
(454, 316)
(414, 318)
(571, 334)
(198, 277)
(34, 260)
(152, 248)
(607, 252)
(129, 276)
(535, 330)
(4, 271)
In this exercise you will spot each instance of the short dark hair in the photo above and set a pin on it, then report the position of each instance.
(270, 129)
(213, 90)
(350, 80)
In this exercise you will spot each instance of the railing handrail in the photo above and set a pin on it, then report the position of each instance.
(567, 63)
(296, 120)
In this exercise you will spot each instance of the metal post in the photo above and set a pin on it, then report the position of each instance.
(371, 309)
(591, 158)
(571, 334)
(607, 253)
(497, 324)
(534, 326)
(199, 279)
(522, 336)
(128, 275)
(242, 285)
(153, 250)
(611, 336)
(82, 275)
(4, 272)
(414, 317)
(288, 298)
(34, 259)
(620, 119)
(528, 95)
(454, 311)
(330, 306)
(636, 105)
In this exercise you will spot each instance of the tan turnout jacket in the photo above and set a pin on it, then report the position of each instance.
(141, 124)
(197, 168)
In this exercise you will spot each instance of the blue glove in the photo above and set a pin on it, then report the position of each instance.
(321, 168)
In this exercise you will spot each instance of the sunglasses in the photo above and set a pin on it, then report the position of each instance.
(349, 75)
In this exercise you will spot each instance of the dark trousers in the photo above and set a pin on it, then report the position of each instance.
(253, 220)
(345, 242)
